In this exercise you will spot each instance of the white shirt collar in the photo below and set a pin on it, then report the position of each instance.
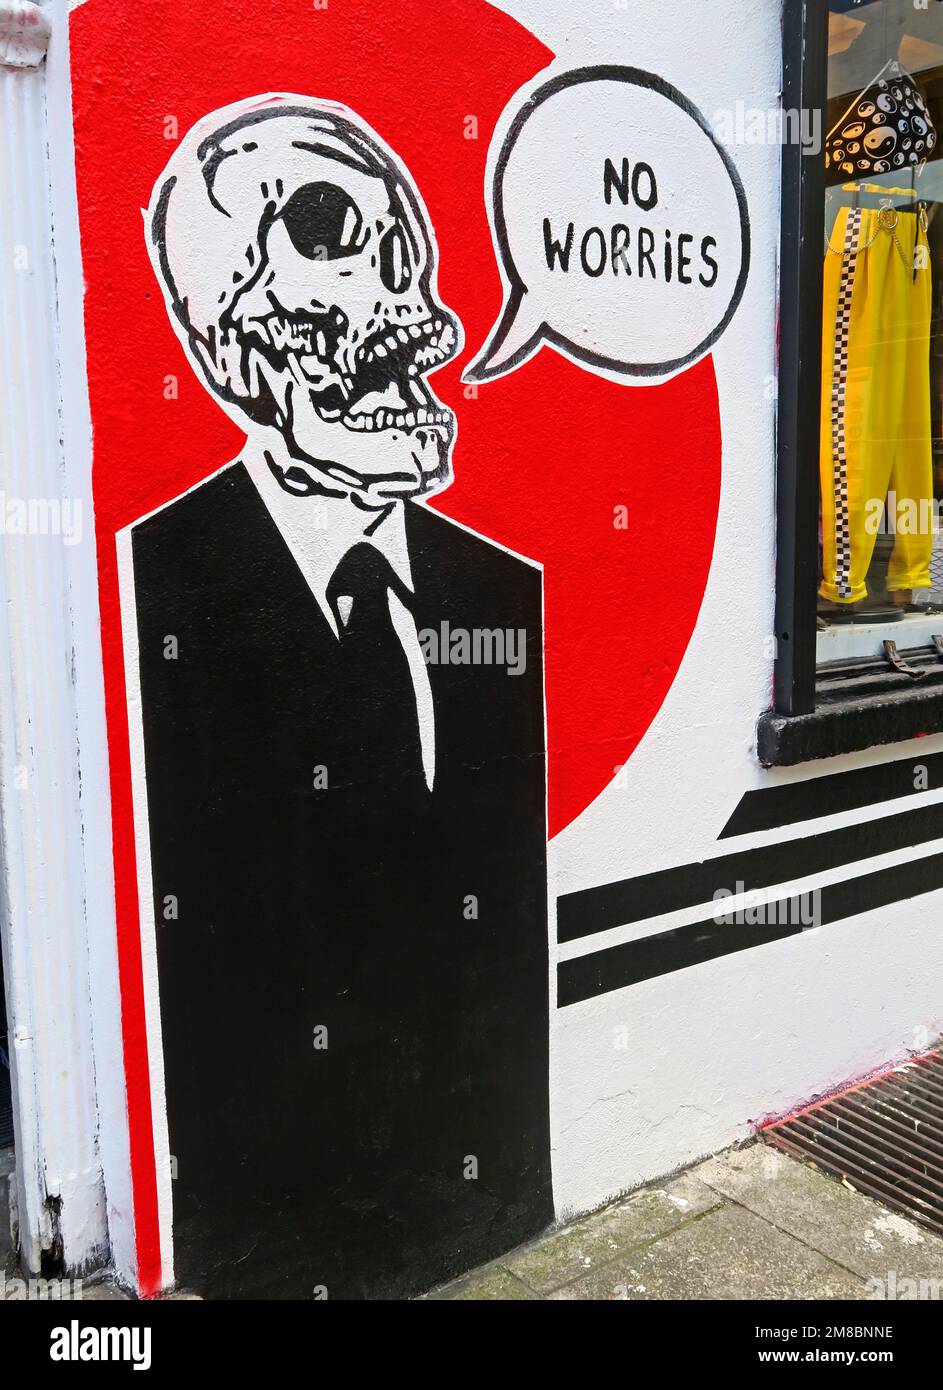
(319, 531)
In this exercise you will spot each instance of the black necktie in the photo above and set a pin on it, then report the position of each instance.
(378, 689)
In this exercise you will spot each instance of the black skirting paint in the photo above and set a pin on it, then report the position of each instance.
(415, 1145)
(592, 910)
(663, 953)
(767, 808)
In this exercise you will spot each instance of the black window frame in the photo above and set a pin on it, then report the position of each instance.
(842, 706)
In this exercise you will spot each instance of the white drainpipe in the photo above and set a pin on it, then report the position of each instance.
(56, 888)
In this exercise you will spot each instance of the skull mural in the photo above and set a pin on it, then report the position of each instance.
(299, 269)
(296, 766)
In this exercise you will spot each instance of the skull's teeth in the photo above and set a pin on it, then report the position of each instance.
(397, 419)
(428, 356)
(298, 337)
(440, 338)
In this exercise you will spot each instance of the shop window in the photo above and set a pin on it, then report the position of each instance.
(860, 492)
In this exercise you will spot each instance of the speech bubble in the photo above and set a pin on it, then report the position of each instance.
(620, 225)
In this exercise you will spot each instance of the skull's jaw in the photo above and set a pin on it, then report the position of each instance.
(377, 434)
(424, 468)
(372, 467)
(406, 406)
(410, 408)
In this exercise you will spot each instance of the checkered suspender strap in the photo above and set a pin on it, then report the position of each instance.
(839, 384)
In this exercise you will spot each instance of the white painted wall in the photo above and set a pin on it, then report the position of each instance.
(649, 1078)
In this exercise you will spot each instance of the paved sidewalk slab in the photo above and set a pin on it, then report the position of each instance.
(597, 1239)
(727, 1254)
(493, 1284)
(751, 1223)
(843, 1224)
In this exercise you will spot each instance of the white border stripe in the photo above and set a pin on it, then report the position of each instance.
(142, 849)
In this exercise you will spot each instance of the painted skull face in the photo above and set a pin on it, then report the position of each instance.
(299, 266)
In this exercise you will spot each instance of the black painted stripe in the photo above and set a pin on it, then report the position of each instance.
(601, 972)
(594, 910)
(769, 807)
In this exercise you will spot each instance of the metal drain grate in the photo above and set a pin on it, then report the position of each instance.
(884, 1135)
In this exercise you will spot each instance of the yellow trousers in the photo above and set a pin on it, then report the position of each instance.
(876, 401)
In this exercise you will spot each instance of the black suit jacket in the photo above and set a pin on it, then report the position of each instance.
(354, 988)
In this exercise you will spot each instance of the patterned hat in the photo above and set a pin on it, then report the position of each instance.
(887, 127)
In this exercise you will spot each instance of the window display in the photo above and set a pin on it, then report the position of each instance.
(881, 449)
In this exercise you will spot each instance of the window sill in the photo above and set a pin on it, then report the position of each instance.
(859, 703)
(861, 640)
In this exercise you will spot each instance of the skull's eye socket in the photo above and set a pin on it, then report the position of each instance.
(323, 222)
(395, 270)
